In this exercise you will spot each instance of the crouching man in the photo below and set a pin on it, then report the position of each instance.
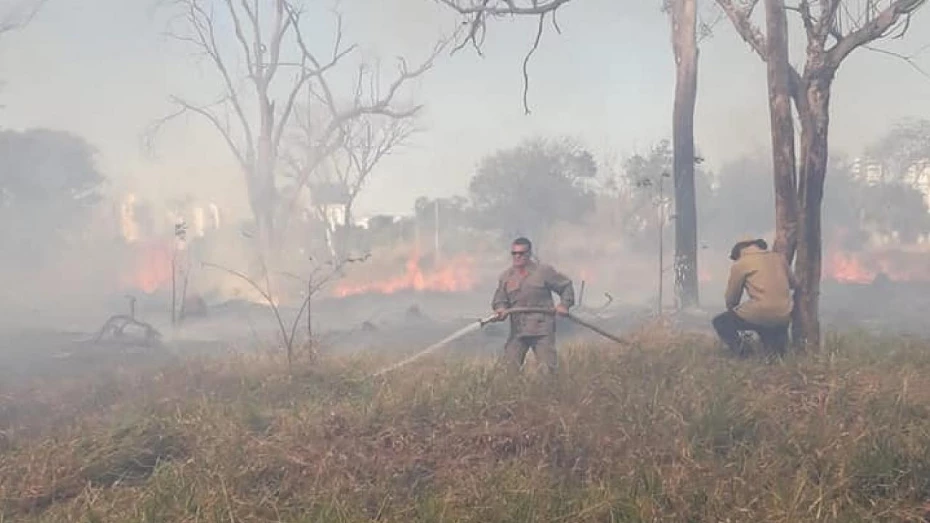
(768, 281)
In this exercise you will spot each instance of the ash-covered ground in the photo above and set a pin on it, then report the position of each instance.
(35, 342)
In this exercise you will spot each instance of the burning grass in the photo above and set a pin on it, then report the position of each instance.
(665, 431)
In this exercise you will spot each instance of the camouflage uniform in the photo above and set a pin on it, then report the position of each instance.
(532, 288)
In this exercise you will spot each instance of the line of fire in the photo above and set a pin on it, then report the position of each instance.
(415, 265)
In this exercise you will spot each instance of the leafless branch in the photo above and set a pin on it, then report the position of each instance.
(827, 25)
(706, 28)
(378, 103)
(313, 144)
(240, 37)
(20, 15)
(318, 68)
(205, 111)
(321, 140)
(201, 34)
(874, 28)
(526, 62)
(266, 294)
(807, 18)
(740, 17)
(909, 60)
(314, 284)
(368, 143)
(504, 7)
(477, 12)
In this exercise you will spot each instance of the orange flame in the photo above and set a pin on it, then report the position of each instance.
(704, 275)
(901, 264)
(847, 268)
(454, 275)
(151, 267)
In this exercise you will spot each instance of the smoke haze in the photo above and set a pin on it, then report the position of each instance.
(105, 71)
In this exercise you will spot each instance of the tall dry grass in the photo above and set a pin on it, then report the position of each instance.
(667, 430)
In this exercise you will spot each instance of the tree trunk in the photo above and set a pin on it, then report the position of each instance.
(684, 43)
(815, 121)
(782, 126)
(262, 189)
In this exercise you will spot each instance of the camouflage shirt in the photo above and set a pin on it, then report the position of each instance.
(532, 288)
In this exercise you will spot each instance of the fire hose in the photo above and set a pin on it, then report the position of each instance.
(570, 316)
(493, 319)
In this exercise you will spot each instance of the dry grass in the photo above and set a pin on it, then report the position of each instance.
(666, 431)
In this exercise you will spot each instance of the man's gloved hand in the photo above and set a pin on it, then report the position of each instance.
(561, 310)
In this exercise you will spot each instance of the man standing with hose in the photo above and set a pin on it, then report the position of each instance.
(530, 284)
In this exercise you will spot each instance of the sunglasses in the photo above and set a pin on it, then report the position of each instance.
(519, 253)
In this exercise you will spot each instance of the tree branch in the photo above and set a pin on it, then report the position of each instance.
(366, 152)
(318, 69)
(186, 107)
(827, 23)
(334, 132)
(16, 19)
(874, 29)
(909, 60)
(504, 7)
(526, 61)
(202, 24)
(281, 25)
(807, 18)
(317, 150)
(240, 37)
(477, 12)
(740, 17)
(382, 104)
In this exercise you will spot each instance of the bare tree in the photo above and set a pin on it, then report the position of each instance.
(367, 141)
(833, 30)
(254, 111)
(684, 29)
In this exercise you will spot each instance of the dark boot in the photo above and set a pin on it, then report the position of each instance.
(774, 341)
(727, 327)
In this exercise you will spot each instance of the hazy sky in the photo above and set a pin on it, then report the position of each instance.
(102, 69)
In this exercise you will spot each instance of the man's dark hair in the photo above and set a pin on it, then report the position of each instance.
(525, 242)
(759, 242)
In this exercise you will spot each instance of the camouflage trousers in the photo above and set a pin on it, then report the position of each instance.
(543, 348)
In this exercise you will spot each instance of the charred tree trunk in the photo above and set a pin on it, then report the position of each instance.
(782, 125)
(815, 122)
(684, 43)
